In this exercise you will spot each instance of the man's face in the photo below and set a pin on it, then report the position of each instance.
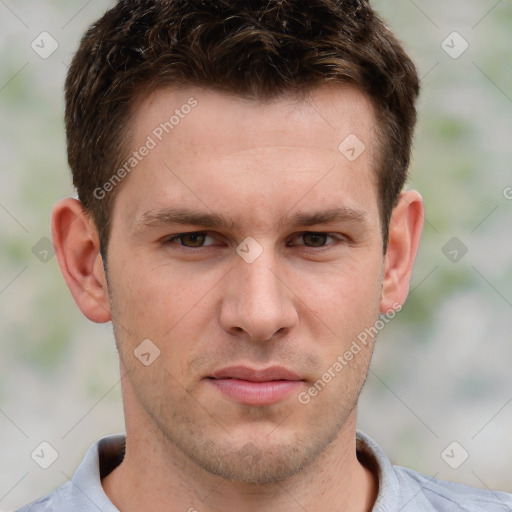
(291, 299)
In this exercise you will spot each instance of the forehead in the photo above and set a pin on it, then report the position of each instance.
(228, 122)
(230, 152)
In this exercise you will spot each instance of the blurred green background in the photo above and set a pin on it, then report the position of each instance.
(441, 371)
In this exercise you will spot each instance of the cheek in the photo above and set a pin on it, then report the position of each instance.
(163, 304)
(343, 296)
(155, 293)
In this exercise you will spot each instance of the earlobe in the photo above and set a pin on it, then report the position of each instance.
(405, 229)
(78, 253)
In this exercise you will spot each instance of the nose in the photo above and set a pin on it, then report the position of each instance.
(257, 302)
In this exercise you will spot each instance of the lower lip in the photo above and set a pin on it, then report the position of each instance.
(256, 393)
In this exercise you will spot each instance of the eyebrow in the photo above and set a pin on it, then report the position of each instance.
(341, 214)
(169, 216)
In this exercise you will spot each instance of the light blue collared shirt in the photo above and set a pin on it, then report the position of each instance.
(400, 489)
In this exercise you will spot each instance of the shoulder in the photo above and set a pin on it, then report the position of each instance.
(84, 492)
(40, 505)
(49, 503)
(402, 489)
(422, 492)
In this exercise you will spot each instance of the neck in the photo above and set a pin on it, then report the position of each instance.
(155, 474)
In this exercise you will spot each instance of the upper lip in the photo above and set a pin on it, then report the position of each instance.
(270, 373)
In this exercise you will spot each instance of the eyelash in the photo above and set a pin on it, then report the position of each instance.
(169, 241)
(336, 237)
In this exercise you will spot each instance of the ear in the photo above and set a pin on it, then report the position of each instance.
(76, 243)
(405, 229)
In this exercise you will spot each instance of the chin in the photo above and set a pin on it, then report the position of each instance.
(255, 465)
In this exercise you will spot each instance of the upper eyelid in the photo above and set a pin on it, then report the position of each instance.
(216, 235)
(335, 236)
(178, 235)
(173, 238)
(184, 233)
(202, 232)
(328, 233)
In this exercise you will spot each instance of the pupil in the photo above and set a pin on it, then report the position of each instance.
(193, 240)
(315, 239)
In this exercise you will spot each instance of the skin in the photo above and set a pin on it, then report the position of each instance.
(300, 304)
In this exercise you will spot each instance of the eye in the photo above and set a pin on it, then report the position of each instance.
(192, 240)
(314, 239)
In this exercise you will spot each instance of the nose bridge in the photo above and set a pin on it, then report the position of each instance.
(260, 282)
(257, 302)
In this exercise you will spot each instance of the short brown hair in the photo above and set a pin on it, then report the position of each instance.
(252, 48)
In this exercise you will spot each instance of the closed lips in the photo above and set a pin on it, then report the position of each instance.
(255, 387)
(268, 374)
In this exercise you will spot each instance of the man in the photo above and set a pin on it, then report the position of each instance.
(241, 221)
